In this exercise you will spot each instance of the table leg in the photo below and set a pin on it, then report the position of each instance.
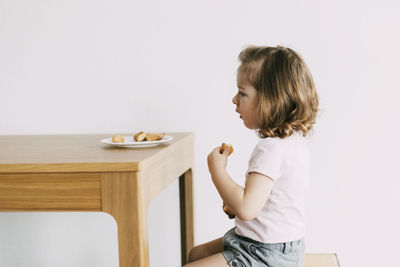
(186, 210)
(122, 197)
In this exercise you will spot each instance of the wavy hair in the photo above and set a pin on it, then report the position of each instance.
(287, 99)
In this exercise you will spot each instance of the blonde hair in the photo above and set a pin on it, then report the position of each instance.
(287, 99)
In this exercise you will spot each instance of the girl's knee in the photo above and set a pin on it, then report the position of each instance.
(195, 254)
(205, 250)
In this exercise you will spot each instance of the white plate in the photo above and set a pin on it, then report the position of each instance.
(130, 142)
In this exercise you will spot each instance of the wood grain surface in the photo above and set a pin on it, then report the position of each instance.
(79, 173)
(122, 197)
(48, 191)
(72, 153)
(321, 260)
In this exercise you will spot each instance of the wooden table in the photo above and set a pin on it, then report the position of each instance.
(78, 173)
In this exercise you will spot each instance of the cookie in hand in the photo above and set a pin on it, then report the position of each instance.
(225, 146)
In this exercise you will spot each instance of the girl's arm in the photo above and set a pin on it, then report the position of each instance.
(247, 202)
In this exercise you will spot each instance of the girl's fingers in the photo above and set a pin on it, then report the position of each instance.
(217, 150)
(223, 151)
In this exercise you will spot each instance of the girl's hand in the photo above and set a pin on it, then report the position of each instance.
(228, 211)
(217, 161)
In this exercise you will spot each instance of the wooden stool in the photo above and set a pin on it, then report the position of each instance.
(321, 260)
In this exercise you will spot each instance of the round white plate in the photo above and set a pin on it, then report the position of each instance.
(130, 142)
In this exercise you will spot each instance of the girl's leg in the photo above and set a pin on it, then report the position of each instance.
(206, 249)
(215, 260)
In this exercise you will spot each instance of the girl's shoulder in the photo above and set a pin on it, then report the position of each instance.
(268, 142)
(295, 136)
(281, 144)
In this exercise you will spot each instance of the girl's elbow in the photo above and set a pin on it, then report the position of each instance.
(246, 215)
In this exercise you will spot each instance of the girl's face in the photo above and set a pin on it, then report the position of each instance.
(246, 101)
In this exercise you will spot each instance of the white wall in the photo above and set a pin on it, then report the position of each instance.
(99, 66)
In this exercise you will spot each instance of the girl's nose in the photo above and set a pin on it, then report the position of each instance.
(234, 99)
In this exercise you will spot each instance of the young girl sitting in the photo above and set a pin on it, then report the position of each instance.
(277, 98)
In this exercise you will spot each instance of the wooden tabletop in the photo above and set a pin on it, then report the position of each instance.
(73, 153)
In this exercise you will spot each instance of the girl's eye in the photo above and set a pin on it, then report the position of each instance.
(241, 94)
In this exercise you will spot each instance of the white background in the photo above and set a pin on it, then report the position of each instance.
(80, 67)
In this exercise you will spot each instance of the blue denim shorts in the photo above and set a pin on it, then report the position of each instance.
(240, 251)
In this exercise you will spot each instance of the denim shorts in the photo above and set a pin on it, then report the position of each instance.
(240, 251)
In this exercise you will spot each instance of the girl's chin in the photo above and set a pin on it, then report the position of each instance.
(251, 127)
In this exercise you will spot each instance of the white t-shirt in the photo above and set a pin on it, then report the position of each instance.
(282, 218)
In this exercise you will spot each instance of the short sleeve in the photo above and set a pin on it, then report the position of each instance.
(266, 159)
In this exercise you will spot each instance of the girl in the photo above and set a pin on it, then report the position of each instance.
(277, 98)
